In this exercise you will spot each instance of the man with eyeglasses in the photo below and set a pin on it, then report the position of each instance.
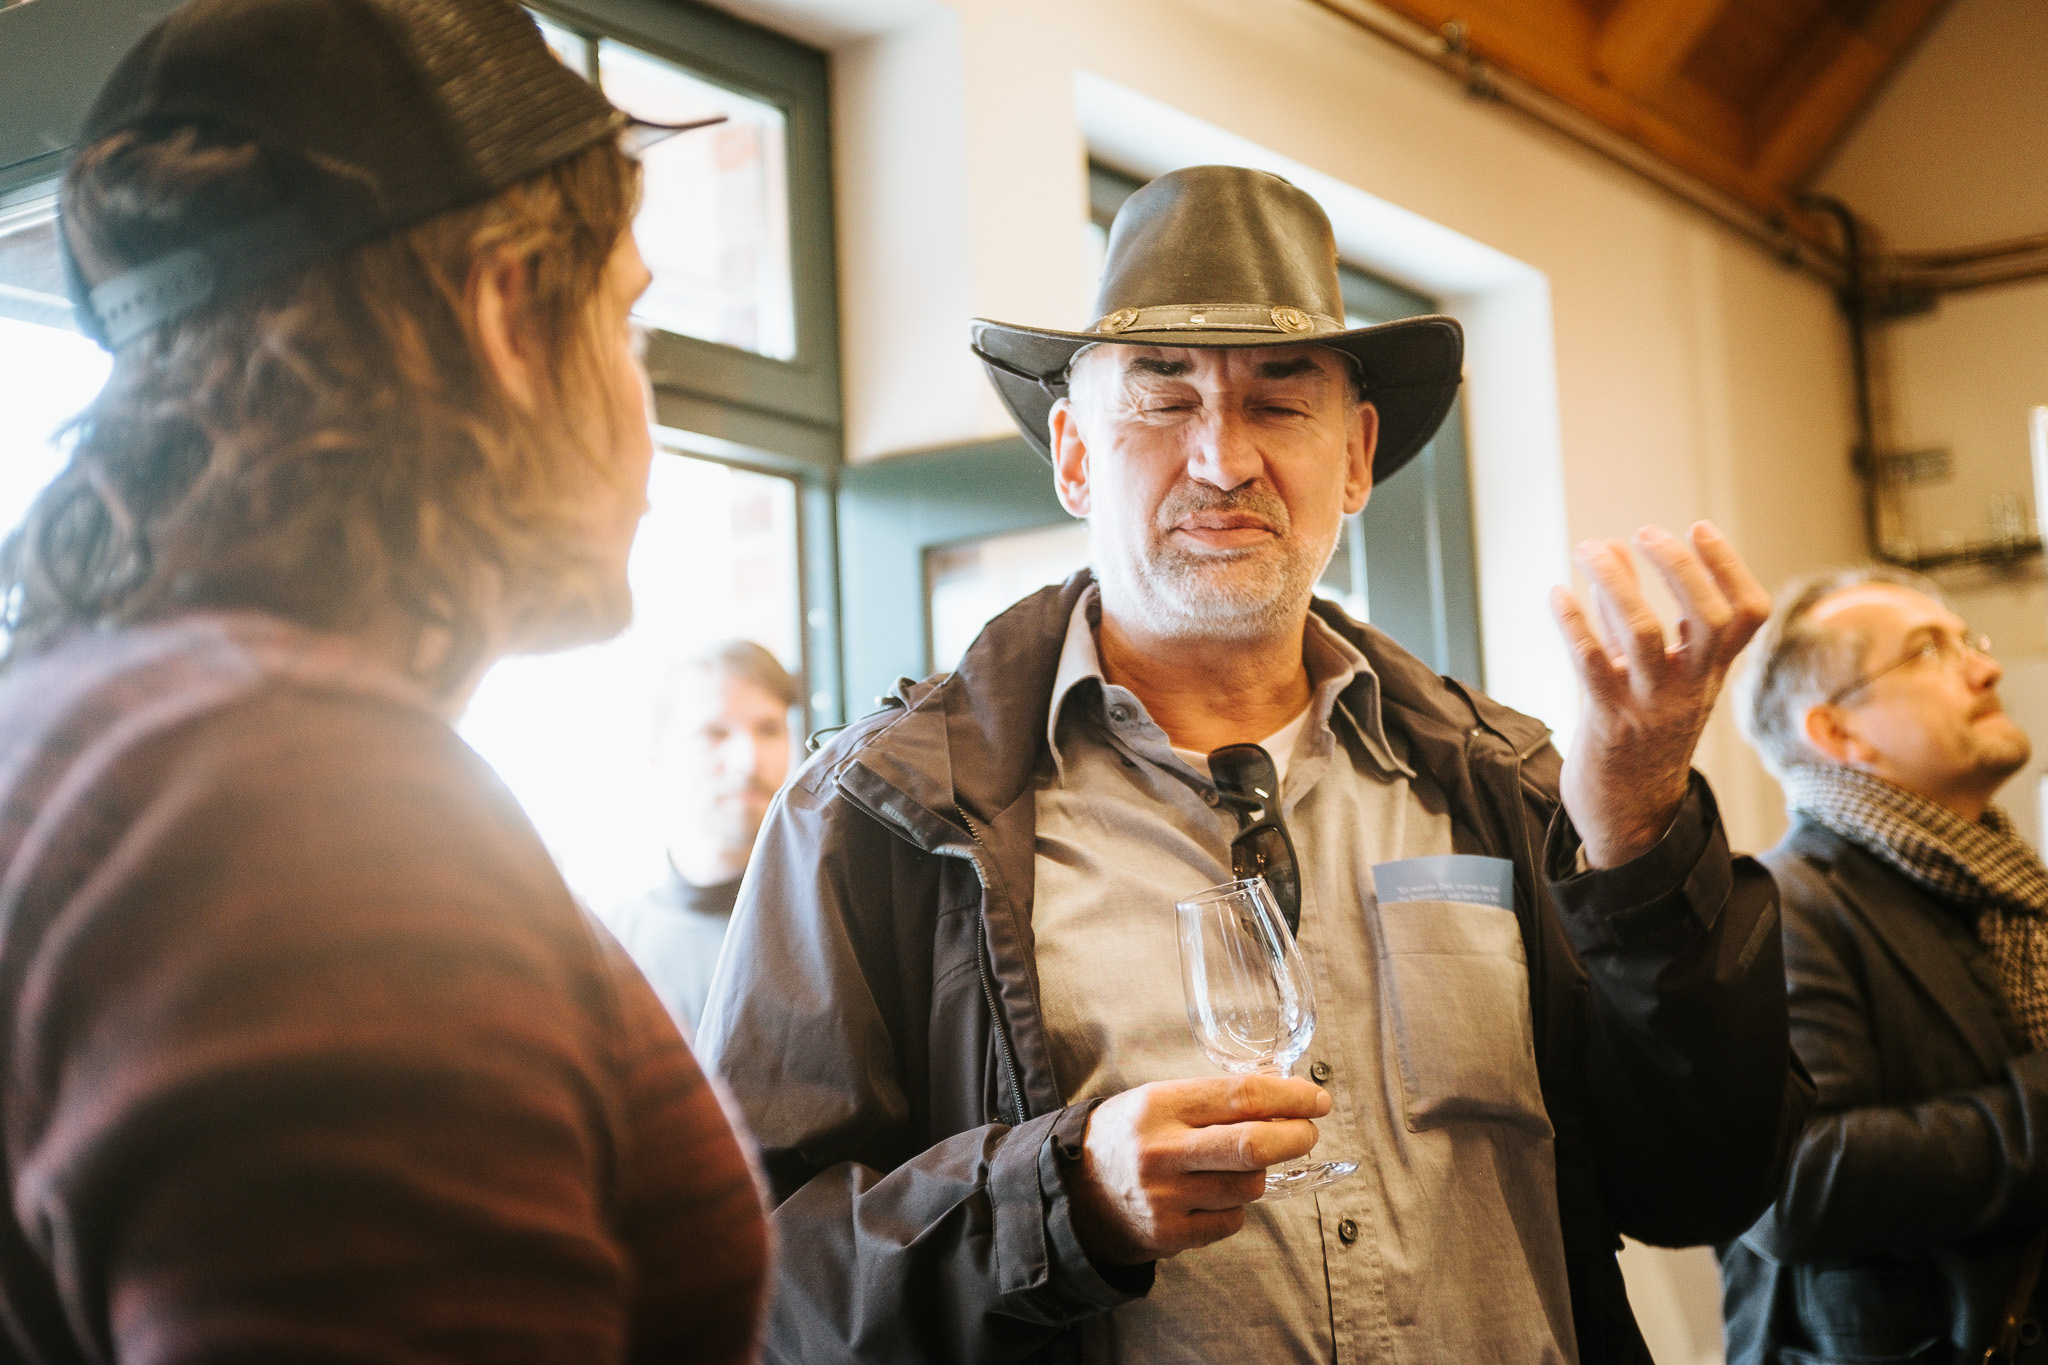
(951, 1007)
(1916, 943)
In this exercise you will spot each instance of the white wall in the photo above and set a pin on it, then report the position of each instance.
(1955, 153)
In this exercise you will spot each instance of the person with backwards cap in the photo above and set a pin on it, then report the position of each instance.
(951, 1008)
(308, 1053)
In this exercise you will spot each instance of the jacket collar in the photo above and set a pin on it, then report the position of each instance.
(1902, 916)
(953, 772)
(1336, 670)
(969, 742)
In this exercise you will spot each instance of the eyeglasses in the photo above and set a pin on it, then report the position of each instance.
(1951, 651)
(1250, 785)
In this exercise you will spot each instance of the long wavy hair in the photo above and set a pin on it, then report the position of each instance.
(332, 445)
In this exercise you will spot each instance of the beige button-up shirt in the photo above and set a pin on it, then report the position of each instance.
(1445, 1245)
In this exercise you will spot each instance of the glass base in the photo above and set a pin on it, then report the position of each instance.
(1299, 1177)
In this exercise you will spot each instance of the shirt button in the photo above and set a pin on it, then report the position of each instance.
(1348, 1230)
(1211, 797)
(1320, 1072)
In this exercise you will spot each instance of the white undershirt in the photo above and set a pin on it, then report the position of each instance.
(1280, 745)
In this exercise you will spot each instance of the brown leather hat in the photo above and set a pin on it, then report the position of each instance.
(1225, 256)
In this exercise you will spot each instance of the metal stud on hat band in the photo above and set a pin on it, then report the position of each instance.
(1217, 317)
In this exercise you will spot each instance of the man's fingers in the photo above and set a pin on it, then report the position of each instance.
(1746, 597)
(1199, 1227)
(1597, 669)
(1199, 1104)
(1246, 1146)
(1221, 1191)
(1707, 612)
(1618, 597)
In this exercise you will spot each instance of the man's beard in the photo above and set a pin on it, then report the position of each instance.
(1216, 594)
(2000, 756)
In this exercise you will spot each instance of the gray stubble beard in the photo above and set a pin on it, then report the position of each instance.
(1174, 593)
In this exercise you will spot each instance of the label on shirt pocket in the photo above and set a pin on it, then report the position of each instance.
(1457, 988)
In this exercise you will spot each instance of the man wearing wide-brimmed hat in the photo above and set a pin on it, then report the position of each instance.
(952, 1008)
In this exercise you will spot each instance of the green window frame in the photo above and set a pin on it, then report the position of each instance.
(721, 403)
(788, 405)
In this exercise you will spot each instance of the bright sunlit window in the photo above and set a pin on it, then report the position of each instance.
(48, 372)
(572, 734)
(714, 215)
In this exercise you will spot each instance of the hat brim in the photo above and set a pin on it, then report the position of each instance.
(1411, 368)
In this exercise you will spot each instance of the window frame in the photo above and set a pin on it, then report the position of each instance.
(718, 402)
(791, 405)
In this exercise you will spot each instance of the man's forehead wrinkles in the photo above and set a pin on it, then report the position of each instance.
(1290, 369)
(1174, 367)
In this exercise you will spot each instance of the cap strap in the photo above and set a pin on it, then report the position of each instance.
(145, 298)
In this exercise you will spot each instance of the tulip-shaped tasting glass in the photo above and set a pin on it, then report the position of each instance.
(1250, 1004)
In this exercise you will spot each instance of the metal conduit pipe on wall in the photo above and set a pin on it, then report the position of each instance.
(1871, 288)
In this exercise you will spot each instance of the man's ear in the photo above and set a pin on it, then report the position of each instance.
(1832, 735)
(1362, 441)
(1069, 458)
(497, 299)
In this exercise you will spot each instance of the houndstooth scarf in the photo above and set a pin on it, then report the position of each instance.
(1983, 866)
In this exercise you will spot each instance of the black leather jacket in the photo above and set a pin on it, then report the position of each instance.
(876, 1015)
(1924, 1171)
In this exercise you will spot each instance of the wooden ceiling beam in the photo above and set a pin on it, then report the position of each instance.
(1505, 32)
(1820, 105)
(1645, 42)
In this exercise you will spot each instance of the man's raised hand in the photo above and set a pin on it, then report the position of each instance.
(1648, 698)
(1170, 1166)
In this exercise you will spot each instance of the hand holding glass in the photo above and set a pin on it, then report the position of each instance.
(1250, 1004)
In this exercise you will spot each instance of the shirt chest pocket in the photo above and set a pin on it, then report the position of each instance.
(1456, 983)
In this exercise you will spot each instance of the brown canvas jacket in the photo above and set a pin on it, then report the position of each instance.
(877, 1017)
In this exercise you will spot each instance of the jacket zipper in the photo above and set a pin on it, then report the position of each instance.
(988, 985)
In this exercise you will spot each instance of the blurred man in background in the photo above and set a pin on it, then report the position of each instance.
(722, 751)
(1916, 952)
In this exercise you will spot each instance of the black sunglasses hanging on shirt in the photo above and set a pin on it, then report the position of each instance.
(1250, 785)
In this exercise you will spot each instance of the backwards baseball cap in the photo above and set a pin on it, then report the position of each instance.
(378, 114)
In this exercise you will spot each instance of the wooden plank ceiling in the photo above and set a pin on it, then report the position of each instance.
(1747, 95)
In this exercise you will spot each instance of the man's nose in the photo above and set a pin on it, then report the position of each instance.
(1226, 454)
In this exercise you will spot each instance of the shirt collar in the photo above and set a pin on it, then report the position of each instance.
(1334, 664)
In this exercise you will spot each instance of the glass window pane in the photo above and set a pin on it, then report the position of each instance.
(573, 734)
(48, 371)
(714, 223)
(973, 582)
